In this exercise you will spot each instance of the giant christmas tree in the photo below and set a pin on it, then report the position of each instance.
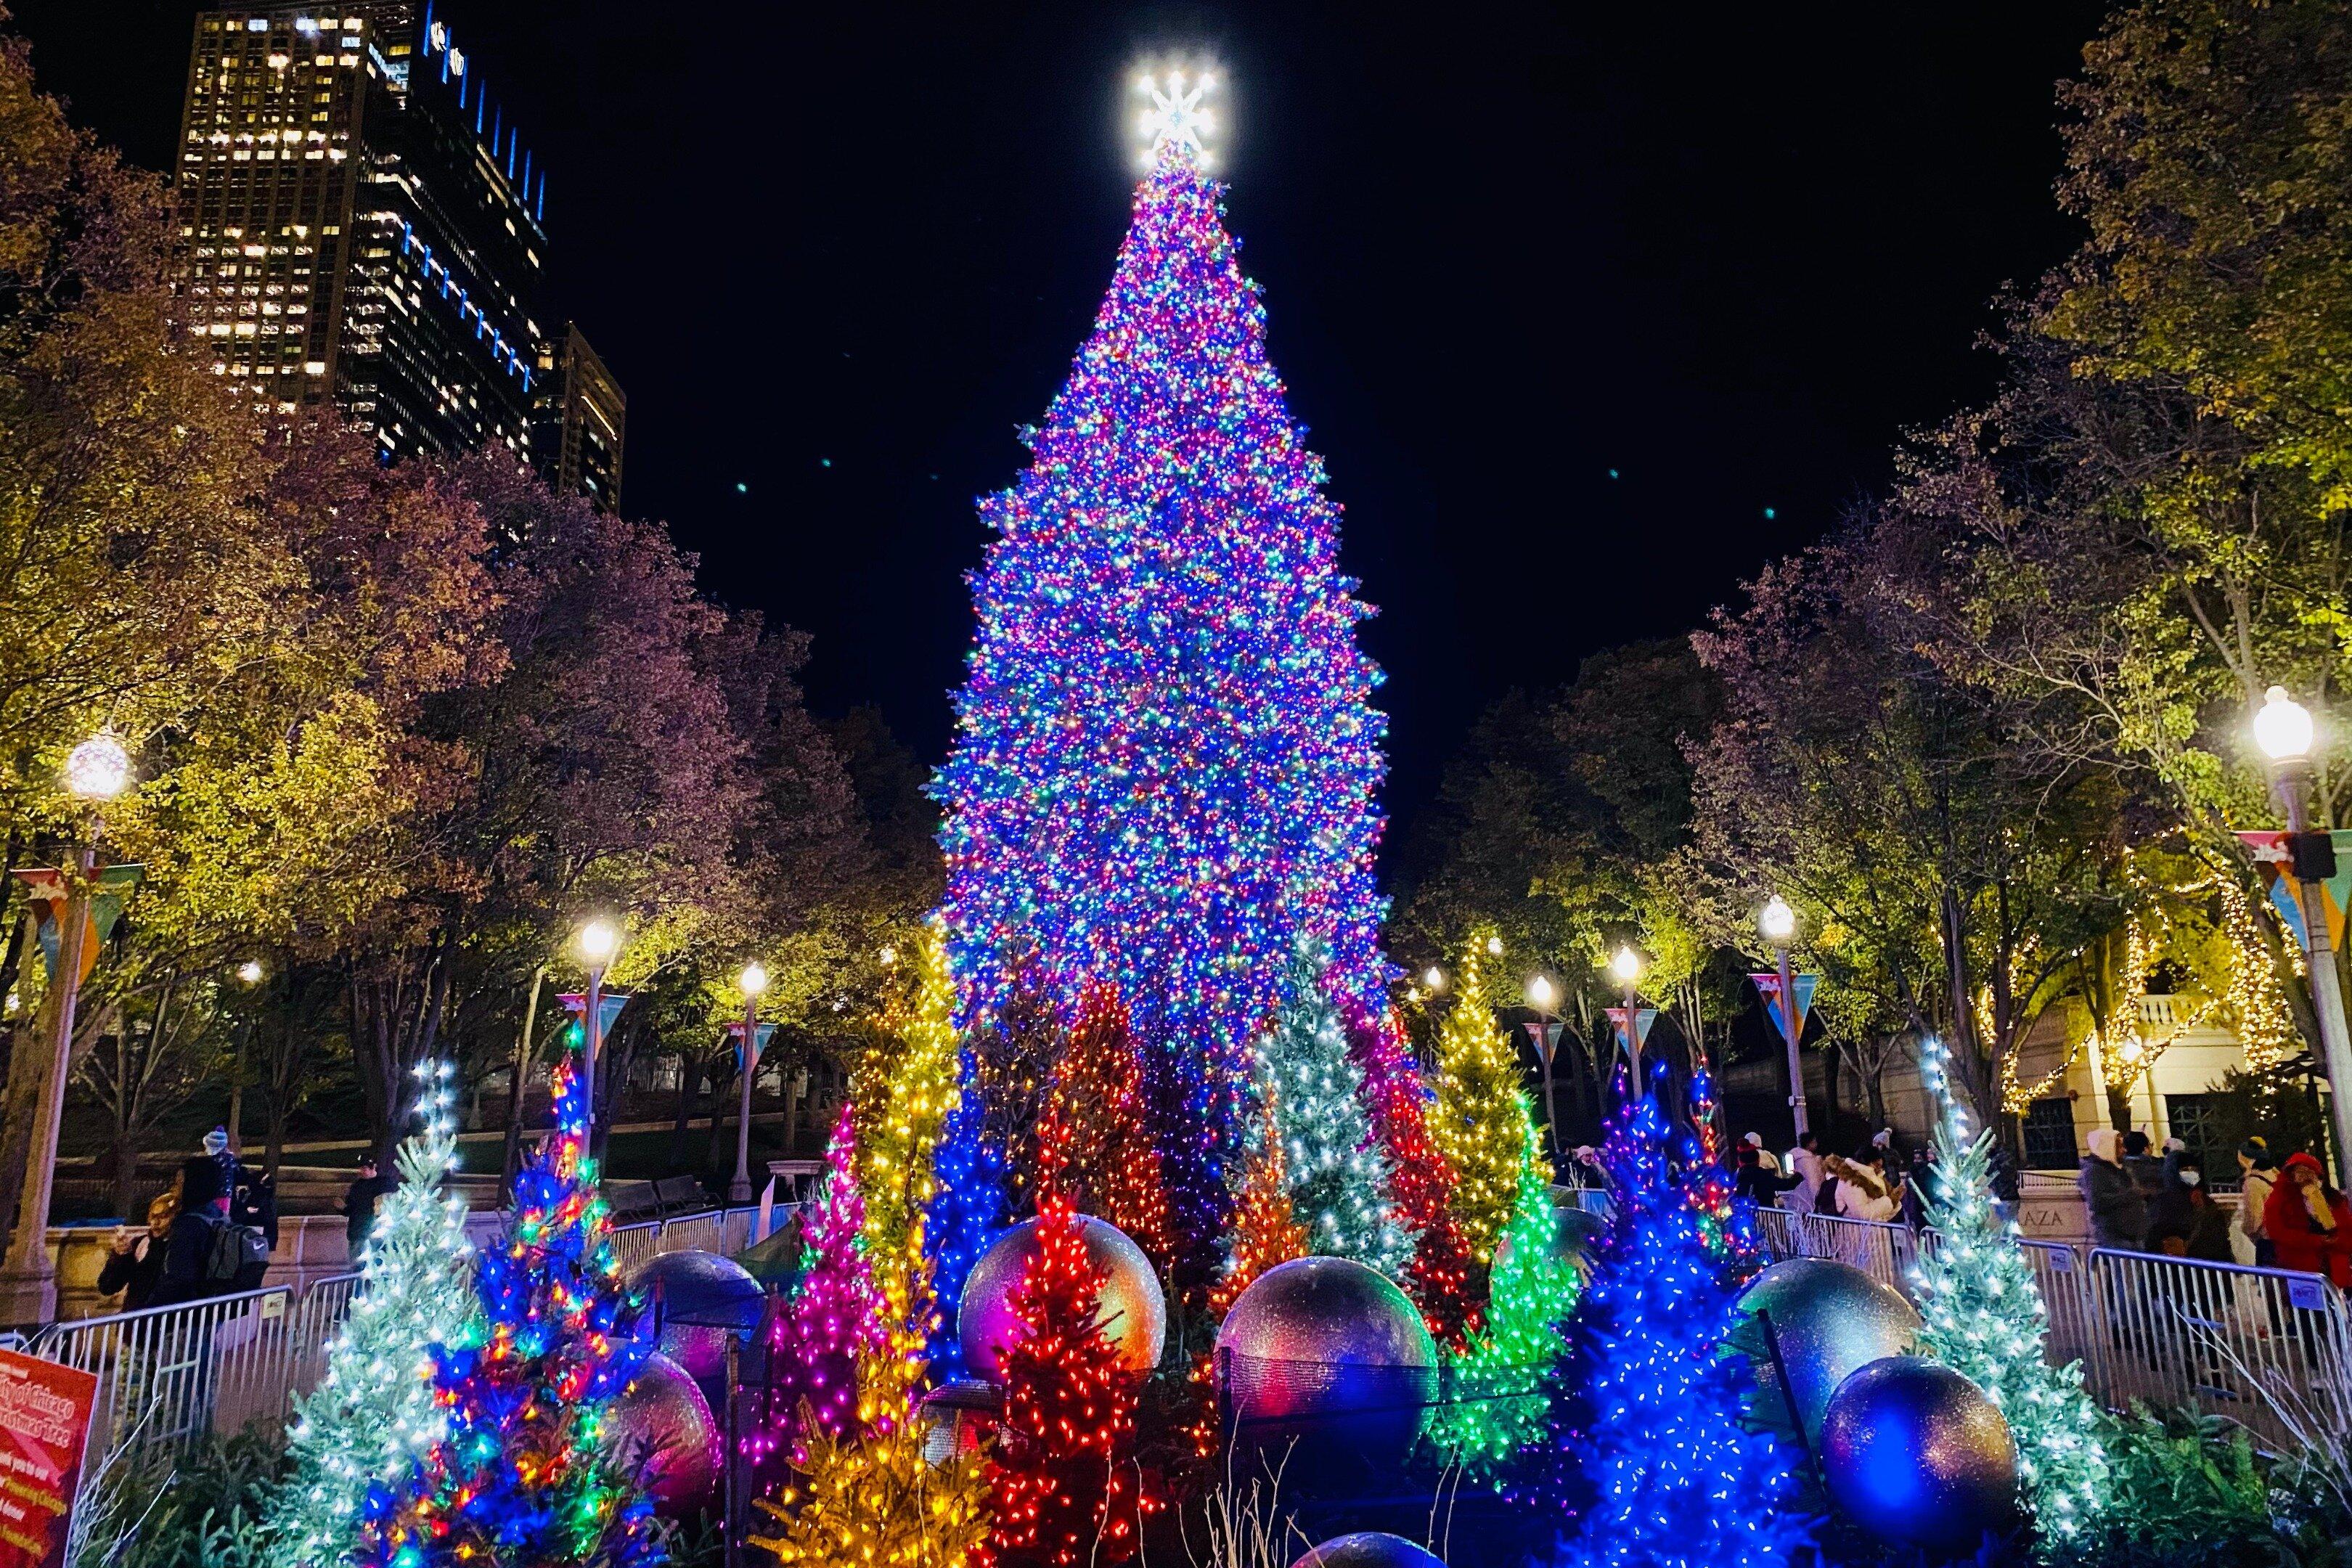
(1167, 753)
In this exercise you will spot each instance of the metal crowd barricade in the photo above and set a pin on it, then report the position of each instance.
(696, 1232)
(633, 1244)
(1879, 1248)
(2230, 1340)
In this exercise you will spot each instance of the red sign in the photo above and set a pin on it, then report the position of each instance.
(45, 1412)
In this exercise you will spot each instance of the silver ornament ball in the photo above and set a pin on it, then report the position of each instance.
(1831, 1320)
(703, 1300)
(1134, 1310)
(1916, 1454)
(1326, 1370)
(662, 1429)
(1369, 1549)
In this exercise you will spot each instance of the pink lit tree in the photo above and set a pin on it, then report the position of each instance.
(835, 1318)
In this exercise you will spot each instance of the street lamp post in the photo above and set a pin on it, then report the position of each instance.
(1625, 968)
(753, 981)
(2283, 729)
(96, 771)
(599, 941)
(1778, 922)
(248, 974)
(1545, 1030)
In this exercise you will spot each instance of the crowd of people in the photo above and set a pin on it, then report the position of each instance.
(2286, 1215)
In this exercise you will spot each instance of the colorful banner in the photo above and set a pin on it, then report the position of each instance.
(48, 897)
(1769, 987)
(2273, 858)
(1545, 1035)
(735, 1037)
(608, 1006)
(45, 1411)
(1643, 1020)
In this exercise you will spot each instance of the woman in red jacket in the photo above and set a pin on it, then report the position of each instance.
(2310, 1222)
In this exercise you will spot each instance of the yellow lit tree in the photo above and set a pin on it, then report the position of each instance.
(1477, 1123)
(913, 1081)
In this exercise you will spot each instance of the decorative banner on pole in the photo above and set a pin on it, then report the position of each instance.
(1546, 1037)
(735, 1037)
(1769, 987)
(609, 1005)
(45, 1410)
(1642, 1022)
(2273, 859)
(49, 897)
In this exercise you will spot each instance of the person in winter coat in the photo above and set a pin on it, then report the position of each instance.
(1865, 1189)
(2309, 1221)
(2146, 1172)
(2258, 1177)
(1805, 1165)
(1760, 1185)
(2118, 1214)
(136, 1265)
(2186, 1220)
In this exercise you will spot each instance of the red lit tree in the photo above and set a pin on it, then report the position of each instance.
(1096, 1144)
(1421, 1182)
(1063, 1477)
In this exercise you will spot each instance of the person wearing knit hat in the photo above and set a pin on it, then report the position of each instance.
(2309, 1221)
(187, 1256)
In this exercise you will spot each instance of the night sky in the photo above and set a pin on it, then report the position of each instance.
(1591, 309)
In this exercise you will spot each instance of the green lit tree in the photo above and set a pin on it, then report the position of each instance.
(1500, 1378)
(1985, 1319)
(1335, 1171)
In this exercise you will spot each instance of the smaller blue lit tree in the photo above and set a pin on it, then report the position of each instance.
(966, 1213)
(1668, 1477)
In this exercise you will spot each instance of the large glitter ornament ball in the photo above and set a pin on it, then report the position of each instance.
(1134, 1310)
(1325, 1370)
(661, 1426)
(702, 1299)
(1916, 1454)
(1831, 1320)
(1369, 1549)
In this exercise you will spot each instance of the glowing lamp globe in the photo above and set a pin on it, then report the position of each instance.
(1776, 921)
(1625, 966)
(1916, 1455)
(662, 1429)
(1326, 1369)
(97, 770)
(1134, 1311)
(599, 941)
(1541, 995)
(2283, 727)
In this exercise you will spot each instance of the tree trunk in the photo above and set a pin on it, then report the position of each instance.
(125, 1160)
(524, 1052)
(717, 1159)
(687, 1067)
(28, 1064)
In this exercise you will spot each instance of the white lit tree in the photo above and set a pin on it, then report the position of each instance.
(372, 1416)
(1985, 1319)
(1334, 1169)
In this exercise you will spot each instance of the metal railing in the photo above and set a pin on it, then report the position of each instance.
(176, 1375)
(2230, 1340)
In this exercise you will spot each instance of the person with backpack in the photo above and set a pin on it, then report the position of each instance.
(208, 1254)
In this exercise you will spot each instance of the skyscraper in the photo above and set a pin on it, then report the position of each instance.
(585, 417)
(360, 222)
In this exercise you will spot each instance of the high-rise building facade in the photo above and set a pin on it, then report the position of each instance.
(584, 421)
(359, 223)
